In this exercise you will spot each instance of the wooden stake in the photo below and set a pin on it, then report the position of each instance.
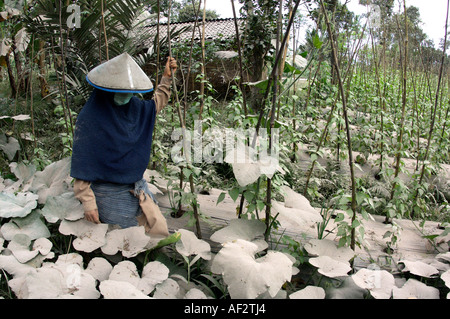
(183, 127)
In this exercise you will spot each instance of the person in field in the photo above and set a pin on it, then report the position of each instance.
(112, 145)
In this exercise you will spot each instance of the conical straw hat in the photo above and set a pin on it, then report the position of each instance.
(120, 74)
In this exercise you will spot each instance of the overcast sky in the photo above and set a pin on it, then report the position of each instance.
(432, 13)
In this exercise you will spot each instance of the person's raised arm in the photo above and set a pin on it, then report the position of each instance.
(162, 92)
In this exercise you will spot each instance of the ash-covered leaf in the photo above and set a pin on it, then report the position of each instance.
(309, 292)
(63, 207)
(90, 236)
(19, 205)
(130, 241)
(52, 181)
(248, 277)
(31, 225)
(414, 289)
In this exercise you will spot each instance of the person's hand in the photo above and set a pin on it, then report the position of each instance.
(92, 216)
(171, 67)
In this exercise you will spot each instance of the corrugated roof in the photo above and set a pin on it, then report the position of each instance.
(214, 29)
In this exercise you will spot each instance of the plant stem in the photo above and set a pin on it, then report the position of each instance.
(347, 125)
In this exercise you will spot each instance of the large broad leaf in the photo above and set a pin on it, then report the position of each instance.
(99, 268)
(419, 268)
(297, 208)
(293, 199)
(12, 266)
(414, 289)
(32, 254)
(244, 229)
(168, 289)
(90, 236)
(9, 145)
(112, 289)
(153, 274)
(248, 277)
(130, 241)
(19, 205)
(379, 282)
(22, 171)
(309, 292)
(330, 267)
(247, 169)
(20, 246)
(52, 181)
(195, 293)
(32, 225)
(59, 281)
(325, 247)
(5, 46)
(21, 39)
(189, 245)
(63, 207)
(125, 271)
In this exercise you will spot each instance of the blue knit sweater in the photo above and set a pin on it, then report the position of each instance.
(113, 143)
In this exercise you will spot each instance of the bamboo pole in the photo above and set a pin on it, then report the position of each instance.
(272, 115)
(274, 72)
(31, 93)
(186, 85)
(202, 84)
(347, 125)
(183, 127)
(158, 48)
(273, 78)
(241, 73)
(402, 120)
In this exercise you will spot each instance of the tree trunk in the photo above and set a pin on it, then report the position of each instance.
(20, 84)
(12, 79)
(42, 71)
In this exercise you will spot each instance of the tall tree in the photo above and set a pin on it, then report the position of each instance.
(188, 11)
